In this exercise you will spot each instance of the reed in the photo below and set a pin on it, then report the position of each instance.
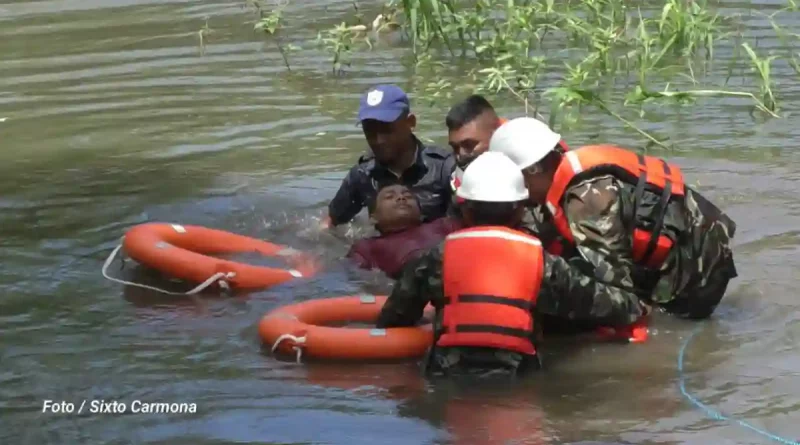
(519, 47)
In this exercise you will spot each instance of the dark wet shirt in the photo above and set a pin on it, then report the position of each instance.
(391, 252)
(428, 178)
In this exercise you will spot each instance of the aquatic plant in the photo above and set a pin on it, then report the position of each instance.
(570, 54)
(513, 44)
(343, 39)
(270, 21)
(202, 36)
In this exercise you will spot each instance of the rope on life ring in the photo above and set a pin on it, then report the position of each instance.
(184, 252)
(219, 278)
(304, 329)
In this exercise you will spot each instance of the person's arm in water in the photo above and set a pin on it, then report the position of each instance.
(348, 200)
(594, 211)
(572, 290)
(419, 283)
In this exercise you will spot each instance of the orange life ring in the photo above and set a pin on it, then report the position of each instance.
(300, 327)
(182, 252)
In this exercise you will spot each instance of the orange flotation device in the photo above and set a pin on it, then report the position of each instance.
(301, 328)
(182, 251)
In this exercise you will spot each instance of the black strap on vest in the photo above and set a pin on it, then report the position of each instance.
(491, 329)
(666, 194)
(486, 328)
(478, 298)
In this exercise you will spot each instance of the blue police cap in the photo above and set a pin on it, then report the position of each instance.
(383, 103)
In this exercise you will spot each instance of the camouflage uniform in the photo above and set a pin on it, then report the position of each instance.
(538, 222)
(692, 280)
(567, 292)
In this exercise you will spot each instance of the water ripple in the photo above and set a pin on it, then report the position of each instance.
(115, 117)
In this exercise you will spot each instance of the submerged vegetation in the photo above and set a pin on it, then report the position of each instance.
(568, 54)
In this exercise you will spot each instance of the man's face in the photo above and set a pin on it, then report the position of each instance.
(538, 183)
(396, 208)
(389, 140)
(469, 141)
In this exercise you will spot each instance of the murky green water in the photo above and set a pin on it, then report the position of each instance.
(113, 118)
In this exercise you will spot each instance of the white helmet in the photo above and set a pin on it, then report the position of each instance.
(525, 140)
(492, 177)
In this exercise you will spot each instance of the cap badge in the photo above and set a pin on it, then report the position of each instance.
(374, 97)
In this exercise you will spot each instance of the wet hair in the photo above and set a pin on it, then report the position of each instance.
(467, 111)
(492, 213)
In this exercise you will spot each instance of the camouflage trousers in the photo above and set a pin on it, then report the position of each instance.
(701, 278)
(477, 362)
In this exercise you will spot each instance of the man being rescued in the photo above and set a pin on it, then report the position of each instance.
(631, 216)
(489, 280)
(403, 236)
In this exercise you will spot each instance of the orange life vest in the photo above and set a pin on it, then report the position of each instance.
(650, 247)
(491, 280)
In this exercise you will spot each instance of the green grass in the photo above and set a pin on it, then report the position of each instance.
(509, 47)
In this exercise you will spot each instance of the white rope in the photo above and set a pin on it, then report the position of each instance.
(218, 277)
(298, 342)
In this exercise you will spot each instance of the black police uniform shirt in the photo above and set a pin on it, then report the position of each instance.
(428, 178)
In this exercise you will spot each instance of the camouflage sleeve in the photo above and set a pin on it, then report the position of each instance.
(420, 282)
(570, 290)
(594, 211)
(536, 222)
(532, 220)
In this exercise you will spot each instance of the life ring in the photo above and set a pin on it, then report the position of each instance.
(181, 251)
(300, 328)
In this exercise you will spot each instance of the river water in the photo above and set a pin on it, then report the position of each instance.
(110, 116)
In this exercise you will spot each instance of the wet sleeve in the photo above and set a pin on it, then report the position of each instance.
(594, 211)
(359, 255)
(569, 290)
(348, 200)
(420, 282)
